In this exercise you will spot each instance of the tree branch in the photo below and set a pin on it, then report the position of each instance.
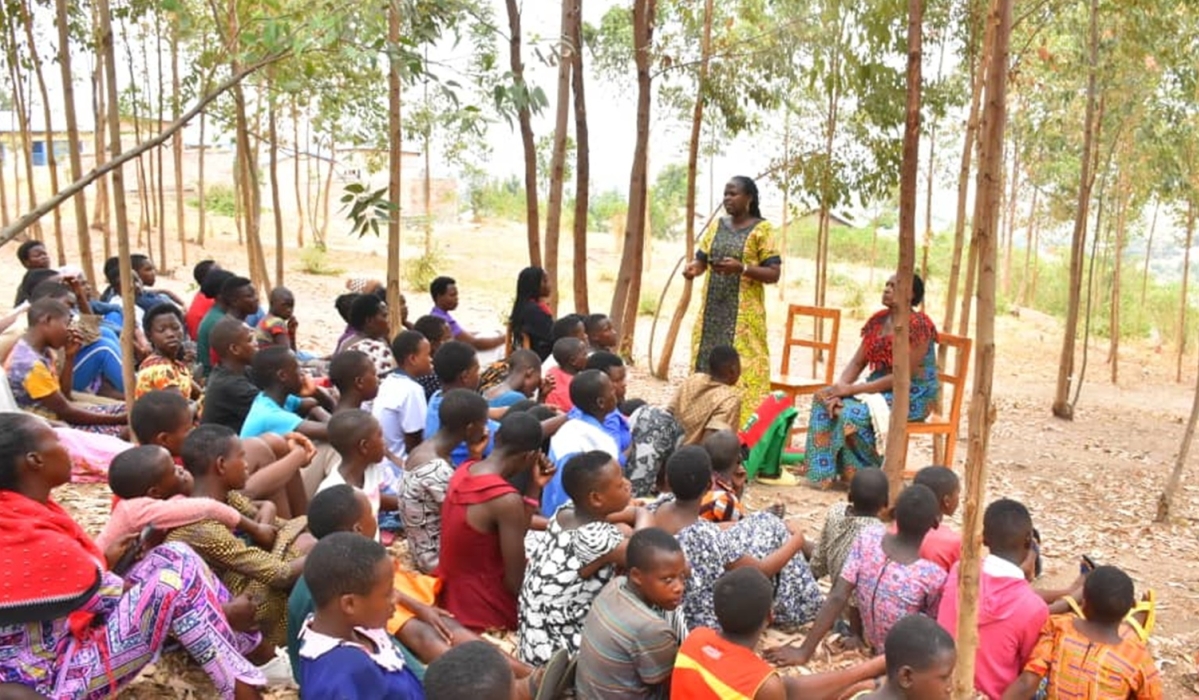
(11, 231)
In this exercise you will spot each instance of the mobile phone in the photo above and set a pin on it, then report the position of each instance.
(132, 554)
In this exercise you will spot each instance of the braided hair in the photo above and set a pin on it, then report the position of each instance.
(748, 186)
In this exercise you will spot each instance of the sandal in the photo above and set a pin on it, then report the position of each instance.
(557, 677)
(1148, 605)
(785, 478)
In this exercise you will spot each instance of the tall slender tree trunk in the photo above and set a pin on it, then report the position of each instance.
(47, 112)
(1013, 194)
(163, 257)
(553, 210)
(525, 117)
(1030, 245)
(782, 286)
(628, 283)
(832, 116)
(982, 411)
(200, 204)
(697, 123)
(295, 122)
(932, 163)
(1165, 502)
(272, 117)
(321, 233)
(979, 67)
(21, 107)
(394, 171)
(177, 144)
(1149, 249)
(99, 108)
(1180, 338)
(246, 163)
(4, 186)
(582, 162)
(118, 196)
(1061, 406)
(909, 173)
(82, 232)
(1113, 353)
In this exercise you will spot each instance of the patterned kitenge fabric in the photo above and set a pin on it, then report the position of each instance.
(734, 308)
(837, 446)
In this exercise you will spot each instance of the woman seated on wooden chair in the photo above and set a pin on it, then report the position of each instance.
(847, 428)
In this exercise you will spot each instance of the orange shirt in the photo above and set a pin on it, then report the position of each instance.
(711, 667)
(1080, 669)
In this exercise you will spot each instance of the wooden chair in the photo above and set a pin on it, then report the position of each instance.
(788, 380)
(939, 423)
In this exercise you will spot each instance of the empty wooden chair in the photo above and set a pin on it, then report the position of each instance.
(791, 379)
(945, 423)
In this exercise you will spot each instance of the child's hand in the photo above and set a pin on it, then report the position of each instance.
(308, 386)
(432, 616)
(543, 471)
(794, 528)
(263, 535)
(477, 448)
(74, 342)
(240, 613)
(787, 656)
(266, 513)
(291, 326)
(298, 441)
(547, 385)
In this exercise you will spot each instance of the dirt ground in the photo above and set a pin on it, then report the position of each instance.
(1092, 483)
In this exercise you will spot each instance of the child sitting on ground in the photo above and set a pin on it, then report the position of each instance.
(167, 367)
(920, 659)
(288, 402)
(400, 406)
(887, 577)
(278, 326)
(437, 332)
(569, 326)
(274, 463)
(579, 553)
(522, 382)
(611, 365)
(722, 502)
(154, 492)
(456, 365)
(39, 387)
(422, 629)
(483, 525)
(229, 392)
(353, 375)
(632, 633)
(427, 473)
(358, 440)
(1089, 658)
(709, 401)
(585, 430)
(942, 546)
(571, 356)
(1010, 614)
(472, 671)
(711, 663)
(762, 540)
(601, 334)
(345, 652)
(868, 498)
(216, 459)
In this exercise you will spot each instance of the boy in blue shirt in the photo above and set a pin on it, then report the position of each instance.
(281, 407)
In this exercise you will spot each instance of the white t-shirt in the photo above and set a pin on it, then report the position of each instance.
(400, 408)
(373, 480)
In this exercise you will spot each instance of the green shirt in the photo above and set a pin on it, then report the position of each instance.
(204, 352)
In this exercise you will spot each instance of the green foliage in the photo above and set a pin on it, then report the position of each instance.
(648, 305)
(420, 271)
(603, 206)
(218, 199)
(668, 202)
(366, 209)
(315, 261)
(500, 199)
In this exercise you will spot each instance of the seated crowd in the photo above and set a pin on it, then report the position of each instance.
(257, 490)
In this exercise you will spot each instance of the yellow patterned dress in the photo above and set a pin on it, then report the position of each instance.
(734, 308)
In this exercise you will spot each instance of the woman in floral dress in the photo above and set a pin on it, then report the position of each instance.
(743, 255)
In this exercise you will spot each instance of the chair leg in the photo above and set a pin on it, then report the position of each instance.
(951, 442)
(938, 449)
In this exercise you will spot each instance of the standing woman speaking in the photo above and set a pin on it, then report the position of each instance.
(743, 256)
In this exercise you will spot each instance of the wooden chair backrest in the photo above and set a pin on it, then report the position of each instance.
(818, 343)
(957, 378)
